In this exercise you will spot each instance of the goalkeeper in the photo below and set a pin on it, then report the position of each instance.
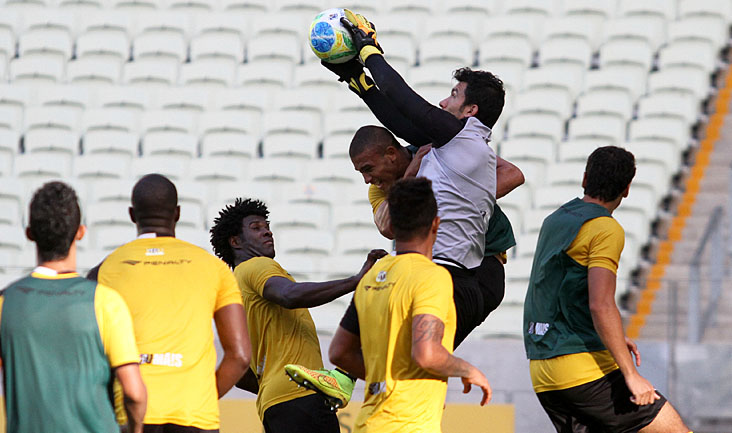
(467, 176)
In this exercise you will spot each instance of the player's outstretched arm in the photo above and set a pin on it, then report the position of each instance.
(609, 327)
(292, 295)
(429, 354)
(508, 177)
(134, 395)
(231, 325)
(435, 123)
(345, 352)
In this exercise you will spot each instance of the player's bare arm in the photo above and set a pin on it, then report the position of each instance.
(429, 353)
(292, 295)
(606, 318)
(345, 352)
(508, 177)
(231, 325)
(134, 395)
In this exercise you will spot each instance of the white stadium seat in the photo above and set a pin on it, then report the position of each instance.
(37, 70)
(89, 70)
(96, 43)
(597, 126)
(209, 73)
(605, 102)
(688, 81)
(46, 42)
(99, 166)
(151, 71)
(680, 106)
(111, 142)
(691, 54)
(218, 45)
(265, 74)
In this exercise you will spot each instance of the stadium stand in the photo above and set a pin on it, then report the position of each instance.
(226, 97)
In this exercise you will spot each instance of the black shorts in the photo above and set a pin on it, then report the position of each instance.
(600, 406)
(174, 428)
(302, 415)
(468, 301)
(492, 282)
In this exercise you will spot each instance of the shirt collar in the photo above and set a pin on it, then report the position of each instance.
(147, 235)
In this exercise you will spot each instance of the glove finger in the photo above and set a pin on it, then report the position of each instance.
(348, 24)
(351, 17)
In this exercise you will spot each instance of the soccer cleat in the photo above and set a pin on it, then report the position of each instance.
(334, 385)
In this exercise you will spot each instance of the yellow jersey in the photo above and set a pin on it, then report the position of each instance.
(400, 396)
(598, 243)
(173, 289)
(279, 336)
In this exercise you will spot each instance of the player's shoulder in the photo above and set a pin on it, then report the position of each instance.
(107, 296)
(256, 264)
(421, 267)
(605, 225)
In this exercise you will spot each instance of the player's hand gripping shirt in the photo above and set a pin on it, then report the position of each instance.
(61, 336)
(173, 289)
(401, 396)
(279, 336)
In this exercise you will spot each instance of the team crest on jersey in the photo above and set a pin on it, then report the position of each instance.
(381, 277)
(154, 252)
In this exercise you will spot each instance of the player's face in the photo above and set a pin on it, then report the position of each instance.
(257, 236)
(455, 103)
(376, 168)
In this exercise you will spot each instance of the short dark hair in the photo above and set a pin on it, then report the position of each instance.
(54, 219)
(154, 196)
(371, 137)
(609, 171)
(228, 224)
(484, 90)
(412, 208)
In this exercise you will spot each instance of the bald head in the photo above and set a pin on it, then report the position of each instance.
(372, 137)
(154, 201)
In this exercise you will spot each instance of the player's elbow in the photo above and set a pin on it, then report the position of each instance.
(240, 356)
(338, 355)
(135, 395)
(423, 356)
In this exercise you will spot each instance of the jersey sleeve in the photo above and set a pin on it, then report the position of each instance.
(432, 293)
(255, 272)
(115, 327)
(228, 292)
(349, 322)
(606, 245)
(376, 197)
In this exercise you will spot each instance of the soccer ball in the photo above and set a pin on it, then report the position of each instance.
(329, 39)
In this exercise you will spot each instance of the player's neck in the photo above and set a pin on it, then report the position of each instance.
(67, 264)
(421, 246)
(158, 230)
(609, 205)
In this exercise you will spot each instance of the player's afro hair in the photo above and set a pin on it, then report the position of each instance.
(54, 220)
(228, 224)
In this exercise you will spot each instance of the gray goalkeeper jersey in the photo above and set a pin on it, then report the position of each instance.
(463, 175)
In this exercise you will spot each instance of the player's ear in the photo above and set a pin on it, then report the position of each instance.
(29, 235)
(627, 191)
(235, 242)
(80, 233)
(177, 213)
(584, 180)
(435, 225)
(470, 110)
(132, 214)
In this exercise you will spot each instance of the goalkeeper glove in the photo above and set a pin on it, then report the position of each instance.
(363, 34)
(352, 73)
